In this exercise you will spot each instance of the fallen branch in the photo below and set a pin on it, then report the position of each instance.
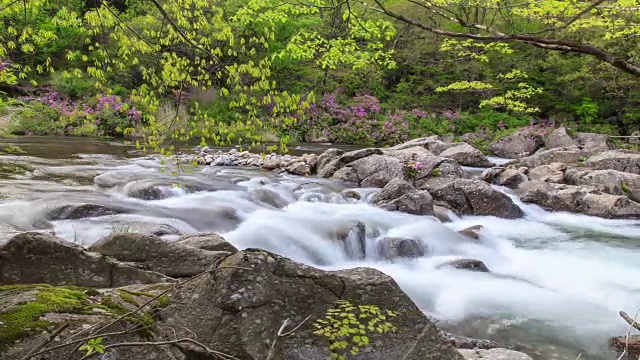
(217, 354)
(46, 341)
(282, 334)
(629, 320)
(631, 326)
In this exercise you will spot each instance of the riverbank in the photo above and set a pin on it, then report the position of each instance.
(85, 198)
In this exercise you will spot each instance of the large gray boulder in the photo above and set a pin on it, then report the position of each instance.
(467, 155)
(558, 138)
(473, 197)
(610, 181)
(239, 307)
(156, 254)
(504, 176)
(616, 160)
(565, 155)
(399, 195)
(553, 172)
(37, 258)
(80, 211)
(581, 199)
(518, 145)
(372, 171)
(594, 142)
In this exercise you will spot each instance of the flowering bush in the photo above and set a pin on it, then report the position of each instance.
(107, 115)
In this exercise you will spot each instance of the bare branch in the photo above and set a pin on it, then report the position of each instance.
(217, 354)
(497, 36)
(629, 320)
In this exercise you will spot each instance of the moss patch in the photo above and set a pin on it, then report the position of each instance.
(25, 318)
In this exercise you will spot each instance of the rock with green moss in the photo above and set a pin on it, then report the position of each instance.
(239, 307)
(38, 258)
(29, 314)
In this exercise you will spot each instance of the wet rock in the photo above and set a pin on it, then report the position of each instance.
(210, 242)
(471, 232)
(272, 164)
(594, 142)
(466, 264)
(311, 160)
(254, 292)
(399, 195)
(565, 155)
(518, 145)
(463, 342)
(37, 258)
(473, 197)
(412, 153)
(269, 197)
(81, 211)
(610, 181)
(467, 155)
(553, 172)
(151, 189)
(616, 160)
(329, 156)
(371, 171)
(393, 248)
(352, 156)
(493, 354)
(420, 142)
(581, 199)
(224, 160)
(442, 213)
(355, 241)
(299, 168)
(632, 346)
(559, 138)
(437, 146)
(504, 176)
(155, 254)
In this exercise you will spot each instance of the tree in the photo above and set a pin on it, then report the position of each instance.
(169, 48)
(604, 29)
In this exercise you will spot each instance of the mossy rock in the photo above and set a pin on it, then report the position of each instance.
(28, 310)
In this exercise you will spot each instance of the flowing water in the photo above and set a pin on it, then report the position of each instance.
(557, 283)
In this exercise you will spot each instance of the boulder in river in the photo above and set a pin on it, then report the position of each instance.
(239, 307)
(581, 199)
(610, 181)
(467, 155)
(553, 172)
(399, 195)
(518, 145)
(616, 160)
(80, 211)
(210, 242)
(466, 264)
(37, 258)
(156, 254)
(299, 168)
(473, 197)
(504, 176)
(371, 171)
(393, 248)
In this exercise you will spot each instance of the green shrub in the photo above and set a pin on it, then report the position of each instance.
(36, 119)
(73, 86)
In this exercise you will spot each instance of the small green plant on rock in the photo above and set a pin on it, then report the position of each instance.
(436, 172)
(626, 188)
(93, 346)
(347, 327)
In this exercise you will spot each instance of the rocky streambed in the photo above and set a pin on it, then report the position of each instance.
(272, 238)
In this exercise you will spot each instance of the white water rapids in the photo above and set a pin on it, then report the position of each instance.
(557, 283)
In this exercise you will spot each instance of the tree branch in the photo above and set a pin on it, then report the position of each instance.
(539, 42)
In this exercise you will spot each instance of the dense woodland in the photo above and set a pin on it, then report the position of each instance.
(350, 71)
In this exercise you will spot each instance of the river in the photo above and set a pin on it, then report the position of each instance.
(557, 283)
